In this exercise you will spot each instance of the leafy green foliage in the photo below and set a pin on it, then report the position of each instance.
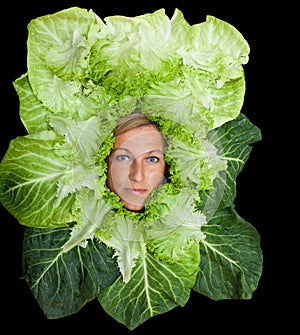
(231, 258)
(62, 282)
(80, 243)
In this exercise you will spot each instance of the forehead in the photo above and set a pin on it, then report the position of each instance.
(140, 139)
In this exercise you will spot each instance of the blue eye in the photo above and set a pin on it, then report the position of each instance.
(153, 159)
(122, 158)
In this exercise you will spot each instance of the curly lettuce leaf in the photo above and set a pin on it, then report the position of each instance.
(82, 138)
(170, 236)
(198, 164)
(92, 212)
(128, 241)
(73, 52)
(58, 48)
(83, 74)
(226, 264)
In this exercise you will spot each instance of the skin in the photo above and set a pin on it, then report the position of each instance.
(136, 165)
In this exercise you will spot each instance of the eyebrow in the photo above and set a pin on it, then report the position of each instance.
(148, 152)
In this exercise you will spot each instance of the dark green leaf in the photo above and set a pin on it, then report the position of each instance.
(231, 258)
(61, 282)
(233, 140)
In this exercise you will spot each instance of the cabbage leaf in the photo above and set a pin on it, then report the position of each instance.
(80, 243)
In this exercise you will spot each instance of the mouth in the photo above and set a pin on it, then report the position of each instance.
(137, 191)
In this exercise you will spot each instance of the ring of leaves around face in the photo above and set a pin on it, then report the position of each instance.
(80, 242)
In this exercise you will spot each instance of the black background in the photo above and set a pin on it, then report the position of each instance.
(254, 184)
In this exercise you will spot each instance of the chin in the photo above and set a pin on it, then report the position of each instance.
(133, 207)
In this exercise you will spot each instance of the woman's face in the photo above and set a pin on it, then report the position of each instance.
(136, 165)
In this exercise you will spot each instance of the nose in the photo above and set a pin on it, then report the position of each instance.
(136, 171)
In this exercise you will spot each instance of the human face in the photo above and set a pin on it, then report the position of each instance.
(136, 165)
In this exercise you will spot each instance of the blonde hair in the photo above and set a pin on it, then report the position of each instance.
(133, 120)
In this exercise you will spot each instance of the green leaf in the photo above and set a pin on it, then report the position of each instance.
(155, 287)
(90, 219)
(29, 173)
(58, 48)
(234, 141)
(82, 138)
(230, 258)
(32, 112)
(83, 74)
(63, 283)
(169, 237)
(126, 238)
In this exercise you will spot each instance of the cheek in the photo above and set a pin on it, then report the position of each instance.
(116, 175)
(109, 181)
(156, 178)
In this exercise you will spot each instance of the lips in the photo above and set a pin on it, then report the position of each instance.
(137, 191)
